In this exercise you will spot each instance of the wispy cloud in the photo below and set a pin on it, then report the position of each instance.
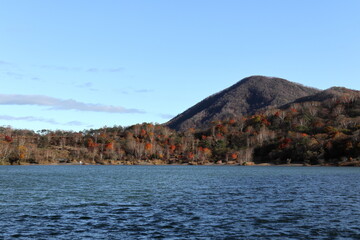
(131, 90)
(39, 119)
(79, 69)
(144, 90)
(111, 70)
(117, 69)
(60, 68)
(166, 116)
(87, 85)
(93, 70)
(15, 75)
(61, 104)
(29, 119)
(74, 123)
(5, 63)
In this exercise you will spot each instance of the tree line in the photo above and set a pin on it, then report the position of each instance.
(313, 132)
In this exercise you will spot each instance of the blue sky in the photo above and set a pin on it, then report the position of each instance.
(79, 64)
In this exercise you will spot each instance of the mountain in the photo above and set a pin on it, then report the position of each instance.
(246, 97)
(318, 129)
(328, 94)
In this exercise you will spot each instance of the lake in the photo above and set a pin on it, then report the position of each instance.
(179, 202)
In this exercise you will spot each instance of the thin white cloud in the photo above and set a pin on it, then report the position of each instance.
(166, 116)
(61, 104)
(60, 68)
(92, 70)
(39, 119)
(74, 123)
(15, 75)
(79, 69)
(118, 69)
(87, 85)
(144, 90)
(5, 63)
(29, 119)
(111, 70)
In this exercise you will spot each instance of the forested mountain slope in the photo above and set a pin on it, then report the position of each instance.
(243, 98)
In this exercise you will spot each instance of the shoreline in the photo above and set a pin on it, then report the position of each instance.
(347, 164)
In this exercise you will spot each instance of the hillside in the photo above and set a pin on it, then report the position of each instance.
(243, 98)
(318, 129)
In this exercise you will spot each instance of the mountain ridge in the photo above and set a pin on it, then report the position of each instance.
(245, 97)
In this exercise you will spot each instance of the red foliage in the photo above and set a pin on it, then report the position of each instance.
(190, 155)
(219, 126)
(266, 122)
(8, 139)
(285, 143)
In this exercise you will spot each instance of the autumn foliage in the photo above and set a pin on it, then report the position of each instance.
(325, 133)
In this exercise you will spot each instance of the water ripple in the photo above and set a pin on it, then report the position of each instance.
(179, 202)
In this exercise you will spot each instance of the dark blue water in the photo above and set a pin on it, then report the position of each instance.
(179, 202)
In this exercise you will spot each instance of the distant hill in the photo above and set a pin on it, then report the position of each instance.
(331, 93)
(246, 97)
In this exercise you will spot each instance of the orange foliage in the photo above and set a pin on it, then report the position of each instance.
(191, 130)
(91, 143)
(206, 151)
(148, 146)
(219, 135)
(234, 156)
(232, 121)
(190, 155)
(109, 146)
(22, 151)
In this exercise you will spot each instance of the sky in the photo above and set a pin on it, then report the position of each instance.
(80, 64)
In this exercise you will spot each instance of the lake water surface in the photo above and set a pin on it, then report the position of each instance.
(179, 202)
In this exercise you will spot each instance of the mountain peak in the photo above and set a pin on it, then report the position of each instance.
(243, 98)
